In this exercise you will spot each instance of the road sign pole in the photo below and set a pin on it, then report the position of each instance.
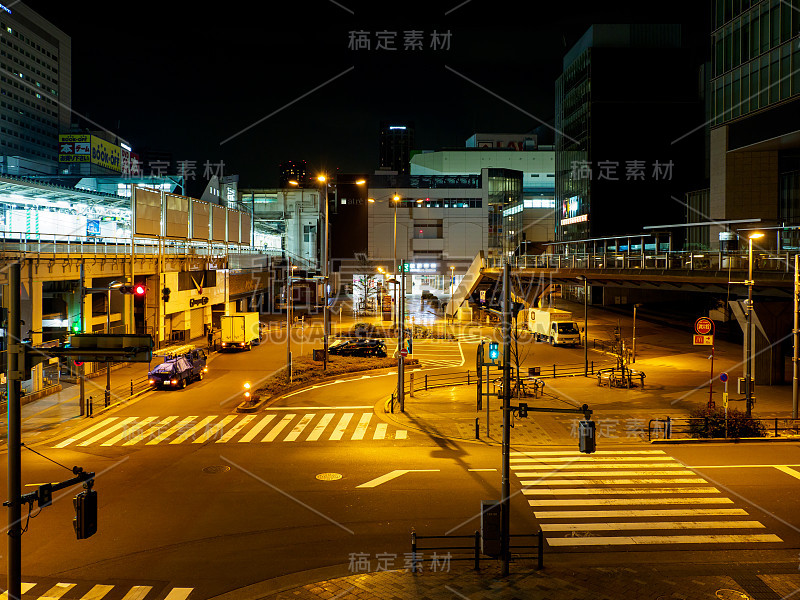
(15, 376)
(505, 492)
(711, 382)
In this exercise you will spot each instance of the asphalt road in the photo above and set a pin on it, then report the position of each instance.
(214, 513)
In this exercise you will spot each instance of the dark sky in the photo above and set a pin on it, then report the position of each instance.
(171, 77)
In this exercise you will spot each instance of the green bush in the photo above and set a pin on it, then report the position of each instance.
(363, 329)
(710, 423)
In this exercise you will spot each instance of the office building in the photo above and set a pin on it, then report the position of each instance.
(292, 171)
(396, 143)
(35, 90)
(626, 96)
(755, 135)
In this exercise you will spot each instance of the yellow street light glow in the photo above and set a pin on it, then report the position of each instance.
(247, 385)
(396, 198)
(419, 201)
(293, 182)
(361, 182)
(322, 178)
(756, 235)
(371, 200)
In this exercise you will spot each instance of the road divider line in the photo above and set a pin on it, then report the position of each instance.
(235, 429)
(275, 431)
(177, 427)
(788, 471)
(393, 475)
(250, 435)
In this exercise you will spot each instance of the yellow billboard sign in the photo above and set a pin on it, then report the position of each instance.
(105, 154)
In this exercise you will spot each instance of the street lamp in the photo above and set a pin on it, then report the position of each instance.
(395, 199)
(585, 325)
(452, 277)
(748, 385)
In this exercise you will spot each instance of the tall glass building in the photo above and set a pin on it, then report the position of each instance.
(755, 135)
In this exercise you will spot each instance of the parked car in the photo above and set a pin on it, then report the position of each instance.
(358, 347)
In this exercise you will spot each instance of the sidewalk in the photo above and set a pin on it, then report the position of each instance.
(688, 581)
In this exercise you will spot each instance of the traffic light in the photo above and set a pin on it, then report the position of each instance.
(494, 351)
(247, 390)
(165, 294)
(523, 410)
(85, 521)
(137, 289)
(586, 436)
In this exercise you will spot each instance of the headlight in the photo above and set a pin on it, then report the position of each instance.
(152, 381)
(205, 369)
(224, 344)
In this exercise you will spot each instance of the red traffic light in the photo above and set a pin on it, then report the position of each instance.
(140, 290)
(78, 363)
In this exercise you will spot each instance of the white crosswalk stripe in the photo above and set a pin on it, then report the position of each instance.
(276, 427)
(99, 591)
(614, 498)
(471, 338)
(432, 353)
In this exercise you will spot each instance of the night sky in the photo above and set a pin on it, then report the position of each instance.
(170, 77)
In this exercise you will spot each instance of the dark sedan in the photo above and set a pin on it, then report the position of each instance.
(360, 347)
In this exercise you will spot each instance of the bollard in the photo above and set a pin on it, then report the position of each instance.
(413, 551)
(89, 411)
(467, 376)
(107, 397)
(477, 548)
(668, 432)
(776, 427)
(554, 370)
(540, 553)
(426, 382)
(477, 430)
(411, 390)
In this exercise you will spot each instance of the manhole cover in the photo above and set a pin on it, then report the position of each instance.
(217, 469)
(726, 594)
(329, 476)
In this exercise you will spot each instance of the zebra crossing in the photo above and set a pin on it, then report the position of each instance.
(471, 338)
(89, 591)
(628, 498)
(432, 353)
(307, 424)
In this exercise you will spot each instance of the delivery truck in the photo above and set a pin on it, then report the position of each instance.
(239, 331)
(554, 326)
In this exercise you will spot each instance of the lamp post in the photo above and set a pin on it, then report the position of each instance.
(289, 303)
(395, 200)
(585, 324)
(748, 384)
(633, 350)
(452, 277)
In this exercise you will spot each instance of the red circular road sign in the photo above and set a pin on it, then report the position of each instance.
(403, 352)
(704, 326)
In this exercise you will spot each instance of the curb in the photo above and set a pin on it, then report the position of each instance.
(724, 440)
(276, 585)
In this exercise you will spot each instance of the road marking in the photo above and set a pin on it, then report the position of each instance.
(97, 592)
(788, 471)
(739, 466)
(25, 587)
(361, 428)
(320, 407)
(320, 428)
(580, 482)
(298, 429)
(645, 512)
(177, 427)
(570, 459)
(235, 429)
(603, 473)
(607, 491)
(393, 475)
(212, 431)
(338, 431)
(380, 431)
(58, 590)
(663, 539)
(179, 593)
(625, 501)
(104, 433)
(192, 430)
(480, 470)
(273, 433)
(400, 434)
(256, 428)
(137, 592)
(651, 525)
(578, 453)
(149, 432)
(128, 431)
(555, 468)
(85, 432)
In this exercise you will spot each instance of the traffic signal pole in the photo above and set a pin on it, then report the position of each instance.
(15, 364)
(505, 493)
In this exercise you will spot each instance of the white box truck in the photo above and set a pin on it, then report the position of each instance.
(239, 330)
(554, 326)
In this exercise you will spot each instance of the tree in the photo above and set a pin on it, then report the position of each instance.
(364, 280)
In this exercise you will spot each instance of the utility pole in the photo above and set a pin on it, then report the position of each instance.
(325, 316)
(15, 375)
(108, 364)
(505, 492)
(401, 366)
(81, 369)
(289, 301)
(796, 333)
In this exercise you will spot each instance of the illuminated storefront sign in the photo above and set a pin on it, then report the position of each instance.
(573, 220)
(421, 267)
(74, 148)
(105, 154)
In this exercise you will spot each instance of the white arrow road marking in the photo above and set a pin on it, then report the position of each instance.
(393, 475)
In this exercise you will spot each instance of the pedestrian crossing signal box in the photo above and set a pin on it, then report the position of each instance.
(494, 351)
(586, 437)
(85, 521)
(490, 528)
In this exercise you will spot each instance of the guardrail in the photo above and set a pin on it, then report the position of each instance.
(475, 556)
(620, 377)
(675, 260)
(682, 426)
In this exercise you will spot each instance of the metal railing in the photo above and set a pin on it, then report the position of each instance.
(620, 377)
(475, 548)
(669, 427)
(675, 260)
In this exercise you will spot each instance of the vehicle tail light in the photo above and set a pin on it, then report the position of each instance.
(224, 344)
(205, 369)
(152, 381)
(174, 382)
